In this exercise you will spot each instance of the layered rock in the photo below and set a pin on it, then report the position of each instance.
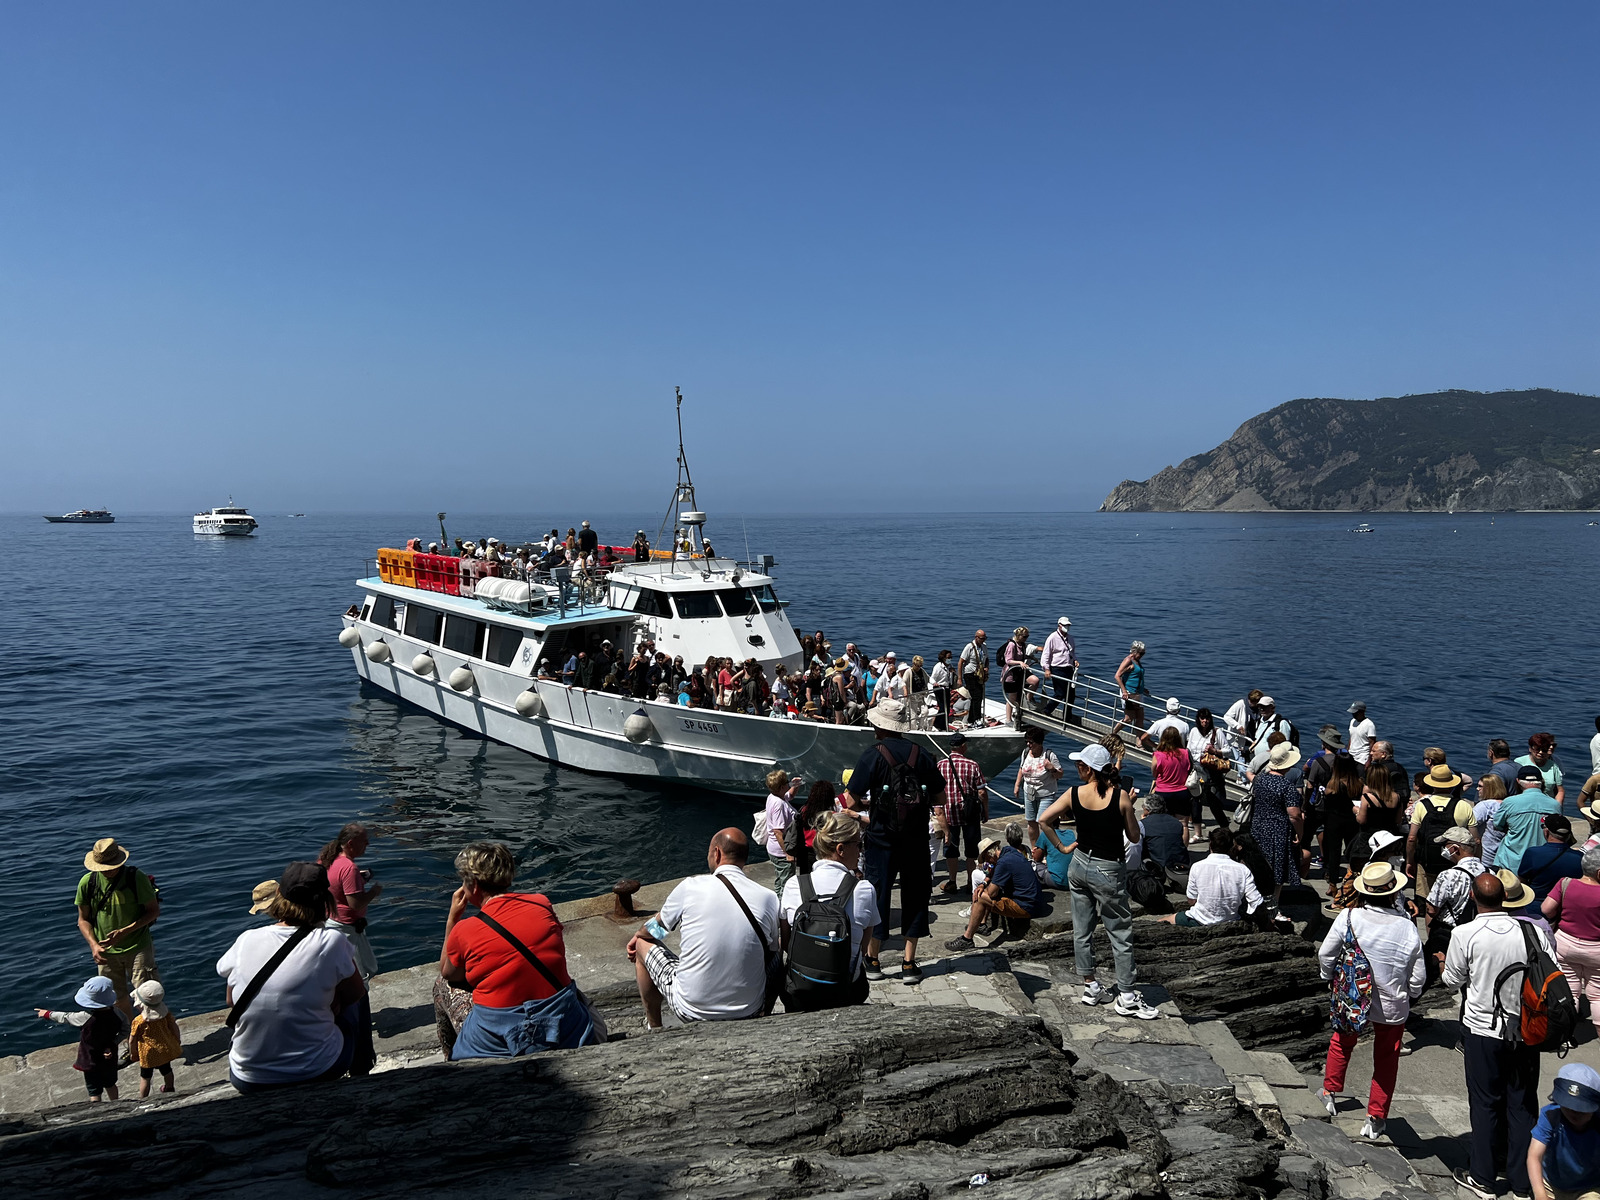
(1446, 451)
(870, 1102)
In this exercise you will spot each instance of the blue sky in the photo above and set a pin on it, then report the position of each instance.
(899, 257)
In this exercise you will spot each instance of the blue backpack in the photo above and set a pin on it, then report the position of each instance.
(1350, 1006)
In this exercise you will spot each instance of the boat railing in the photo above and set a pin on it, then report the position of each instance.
(1096, 707)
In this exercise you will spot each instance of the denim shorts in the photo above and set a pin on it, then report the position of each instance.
(1035, 801)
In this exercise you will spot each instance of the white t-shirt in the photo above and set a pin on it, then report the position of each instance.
(1155, 731)
(288, 1032)
(722, 975)
(826, 877)
(1594, 755)
(1362, 734)
(780, 815)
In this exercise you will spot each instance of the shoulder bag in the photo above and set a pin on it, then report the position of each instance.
(602, 1033)
(254, 987)
(773, 961)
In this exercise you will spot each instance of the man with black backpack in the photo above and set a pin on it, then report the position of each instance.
(1440, 808)
(1496, 960)
(117, 904)
(899, 783)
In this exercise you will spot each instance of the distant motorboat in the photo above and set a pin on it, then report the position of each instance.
(89, 516)
(1363, 528)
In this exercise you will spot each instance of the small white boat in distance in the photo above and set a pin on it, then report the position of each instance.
(226, 520)
(1362, 528)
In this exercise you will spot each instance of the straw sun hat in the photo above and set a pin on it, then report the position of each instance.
(1379, 879)
(107, 855)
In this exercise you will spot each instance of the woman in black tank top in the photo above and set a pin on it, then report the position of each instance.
(1097, 878)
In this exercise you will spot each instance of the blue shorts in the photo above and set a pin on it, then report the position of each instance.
(1035, 802)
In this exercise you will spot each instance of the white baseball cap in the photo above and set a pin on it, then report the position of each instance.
(1265, 702)
(1172, 704)
(1063, 620)
(1096, 757)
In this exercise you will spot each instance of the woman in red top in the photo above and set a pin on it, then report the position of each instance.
(503, 986)
(1170, 766)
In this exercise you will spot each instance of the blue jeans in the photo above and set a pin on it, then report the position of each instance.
(1099, 891)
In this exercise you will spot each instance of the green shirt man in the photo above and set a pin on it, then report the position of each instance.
(117, 904)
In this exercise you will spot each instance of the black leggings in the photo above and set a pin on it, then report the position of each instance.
(1338, 839)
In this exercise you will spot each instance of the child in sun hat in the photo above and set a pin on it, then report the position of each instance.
(1564, 1153)
(103, 1027)
(154, 1039)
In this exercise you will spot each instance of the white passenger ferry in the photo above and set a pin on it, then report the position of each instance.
(227, 520)
(468, 649)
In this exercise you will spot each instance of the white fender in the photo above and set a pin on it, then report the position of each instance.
(461, 679)
(349, 637)
(423, 664)
(530, 704)
(379, 651)
(638, 727)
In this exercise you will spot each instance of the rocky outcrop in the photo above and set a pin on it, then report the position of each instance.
(870, 1102)
(1446, 451)
(1265, 987)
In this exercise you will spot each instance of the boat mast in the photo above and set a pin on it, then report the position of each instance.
(682, 493)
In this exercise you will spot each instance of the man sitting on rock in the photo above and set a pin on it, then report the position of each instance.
(729, 933)
(1013, 892)
(1221, 887)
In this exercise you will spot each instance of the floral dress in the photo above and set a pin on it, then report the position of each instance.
(1271, 798)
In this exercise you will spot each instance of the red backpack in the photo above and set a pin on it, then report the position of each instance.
(1549, 1013)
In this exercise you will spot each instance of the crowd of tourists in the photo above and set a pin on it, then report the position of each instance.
(1435, 879)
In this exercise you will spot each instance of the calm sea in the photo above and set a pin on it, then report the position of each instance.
(189, 697)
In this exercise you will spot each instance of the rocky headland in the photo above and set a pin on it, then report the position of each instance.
(1453, 451)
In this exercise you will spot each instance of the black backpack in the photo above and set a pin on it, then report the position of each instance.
(819, 949)
(897, 801)
(1434, 822)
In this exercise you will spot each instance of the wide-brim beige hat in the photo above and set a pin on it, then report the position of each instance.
(107, 855)
(1379, 879)
(1284, 755)
(1518, 894)
(262, 896)
(889, 715)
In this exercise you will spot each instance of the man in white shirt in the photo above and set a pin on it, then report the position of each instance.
(1221, 887)
(1362, 732)
(1150, 737)
(1594, 749)
(1449, 900)
(720, 972)
(894, 680)
(1241, 720)
(1059, 658)
(1502, 1075)
(973, 666)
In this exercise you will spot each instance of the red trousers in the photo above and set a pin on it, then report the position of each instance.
(1385, 1065)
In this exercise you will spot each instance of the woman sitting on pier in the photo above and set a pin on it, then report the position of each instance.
(503, 987)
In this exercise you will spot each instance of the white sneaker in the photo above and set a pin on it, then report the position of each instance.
(1328, 1102)
(1373, 1129)
(1095, 994)
(1131, 1004)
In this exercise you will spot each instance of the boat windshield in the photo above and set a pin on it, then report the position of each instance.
(748, 601)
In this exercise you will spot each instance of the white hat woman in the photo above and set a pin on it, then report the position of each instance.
(1390, 942)
(1097, 879)
(1275, 820)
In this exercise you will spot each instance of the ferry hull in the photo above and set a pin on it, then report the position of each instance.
(224, 530)
(724, 752)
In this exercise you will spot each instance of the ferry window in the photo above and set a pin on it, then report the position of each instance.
(464, 636)
(746, 602)
(382, 612)
(503, 645)
(651, 603)
(423, 623)
(697, 604)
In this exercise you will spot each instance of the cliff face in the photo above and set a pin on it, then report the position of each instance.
(1446, 451)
